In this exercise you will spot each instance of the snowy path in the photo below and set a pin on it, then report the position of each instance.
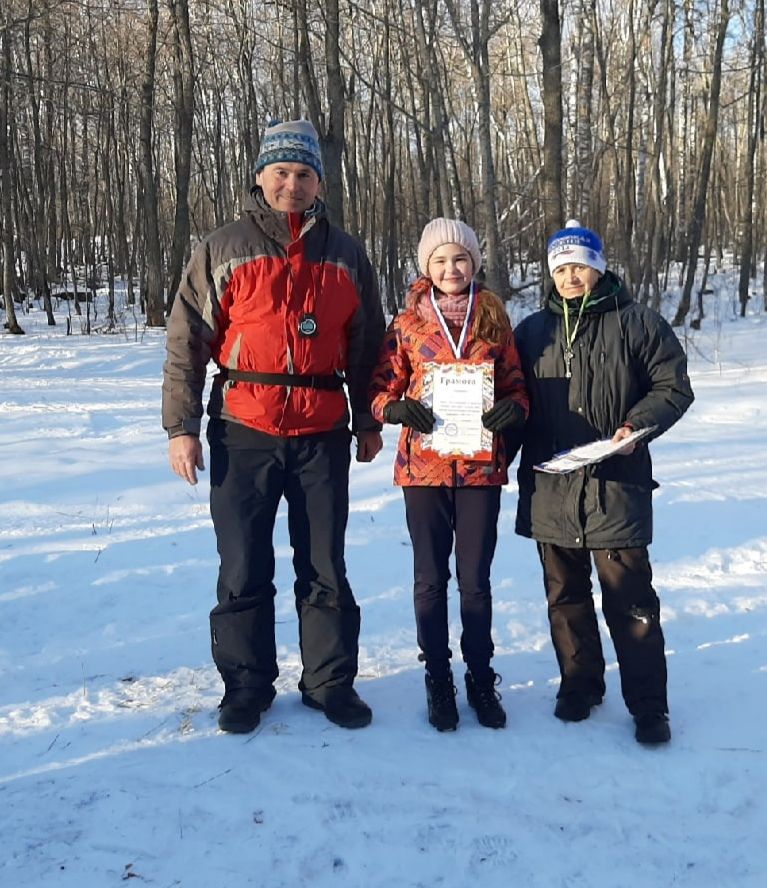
(111, 767)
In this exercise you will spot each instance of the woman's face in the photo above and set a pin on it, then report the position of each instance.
(451, 269)
(572, 280)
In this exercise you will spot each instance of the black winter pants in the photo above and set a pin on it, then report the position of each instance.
(632, 613)
(249, 474)
(435, 516)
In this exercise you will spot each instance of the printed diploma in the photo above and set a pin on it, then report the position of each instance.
(459, 393)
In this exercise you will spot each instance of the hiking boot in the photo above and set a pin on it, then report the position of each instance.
(575, 707)
(652, 728)
(240, 709)
(440, 699)
(485, 700)
(343, 706)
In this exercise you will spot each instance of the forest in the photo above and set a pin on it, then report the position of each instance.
(129, 129)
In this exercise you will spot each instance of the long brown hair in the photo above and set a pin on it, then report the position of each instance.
(491, 323)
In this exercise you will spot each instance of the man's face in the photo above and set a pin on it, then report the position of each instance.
(289, 187)
(573, 280)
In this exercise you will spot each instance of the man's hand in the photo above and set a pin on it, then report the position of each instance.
(369, 445)
(624, 432)
(185, 455)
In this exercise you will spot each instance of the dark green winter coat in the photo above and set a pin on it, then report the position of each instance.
(627, 367)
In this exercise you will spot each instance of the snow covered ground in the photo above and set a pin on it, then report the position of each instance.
(111, 765)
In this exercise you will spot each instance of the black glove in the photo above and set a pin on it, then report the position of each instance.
(505, 414)
(410, 413)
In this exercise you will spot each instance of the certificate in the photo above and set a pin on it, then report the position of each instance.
(588, 454)
(458, 394)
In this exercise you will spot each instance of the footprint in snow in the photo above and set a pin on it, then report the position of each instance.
(494, 851)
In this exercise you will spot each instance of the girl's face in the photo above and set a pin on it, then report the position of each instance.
(451, 269)
(572, 281)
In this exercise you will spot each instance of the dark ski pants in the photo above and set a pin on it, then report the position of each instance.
(632, 613)
(435, 517)
(249, 473)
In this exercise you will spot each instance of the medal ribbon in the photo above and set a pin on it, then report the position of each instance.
(570, 338)
(457, 346)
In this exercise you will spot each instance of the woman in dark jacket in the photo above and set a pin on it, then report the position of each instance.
(598, 365)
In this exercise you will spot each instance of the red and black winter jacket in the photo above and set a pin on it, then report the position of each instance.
(240, 303)
(411, 343)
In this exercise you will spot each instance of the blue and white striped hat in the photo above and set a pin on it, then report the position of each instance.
(575, 245)
(294, 141)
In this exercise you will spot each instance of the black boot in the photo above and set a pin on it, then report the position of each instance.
(343, 706)
(575, 707)
(440, 698)
(240, 709)
(652, 728)
(485, 700)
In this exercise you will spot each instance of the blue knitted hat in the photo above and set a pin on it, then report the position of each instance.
(295, 141)
(575, 245)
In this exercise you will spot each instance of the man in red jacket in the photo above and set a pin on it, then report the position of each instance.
(287, 306)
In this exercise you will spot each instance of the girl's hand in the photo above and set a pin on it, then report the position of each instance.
(505, 414)
(409, 412)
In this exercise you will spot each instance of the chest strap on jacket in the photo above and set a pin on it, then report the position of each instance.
(331, 382)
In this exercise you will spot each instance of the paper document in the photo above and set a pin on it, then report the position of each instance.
(587, 454)
(459, 394)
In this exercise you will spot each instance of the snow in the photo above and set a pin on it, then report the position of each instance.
(111, 765)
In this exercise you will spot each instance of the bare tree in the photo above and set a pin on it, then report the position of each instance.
(155, 308)
(330, 126)
(704, 170)
(475, 42)
(6, 127)
(115, 158)
(183, 106)
(550, 43)
(584, 149)
(754, 123)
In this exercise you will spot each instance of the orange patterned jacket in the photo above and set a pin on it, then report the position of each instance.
(410, 342)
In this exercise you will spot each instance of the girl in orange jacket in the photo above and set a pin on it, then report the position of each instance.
(451, 498)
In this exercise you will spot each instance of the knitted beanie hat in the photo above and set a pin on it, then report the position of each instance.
(295, 141)
(575, 245)
(447, 231)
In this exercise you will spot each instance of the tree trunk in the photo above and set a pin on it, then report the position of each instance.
(584, 151)
(183, 107)
(6, 124)
(38, 228)
(426, 42)
(391, 277)
(331, 128)
(155, 309)
(628, 213)
(476, 49)
(704, 170)
(650, 209)
(685, 141)
(550, 43)
(746, 239)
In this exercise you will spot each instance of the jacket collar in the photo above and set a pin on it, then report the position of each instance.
(274, 223)
(610, 294)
